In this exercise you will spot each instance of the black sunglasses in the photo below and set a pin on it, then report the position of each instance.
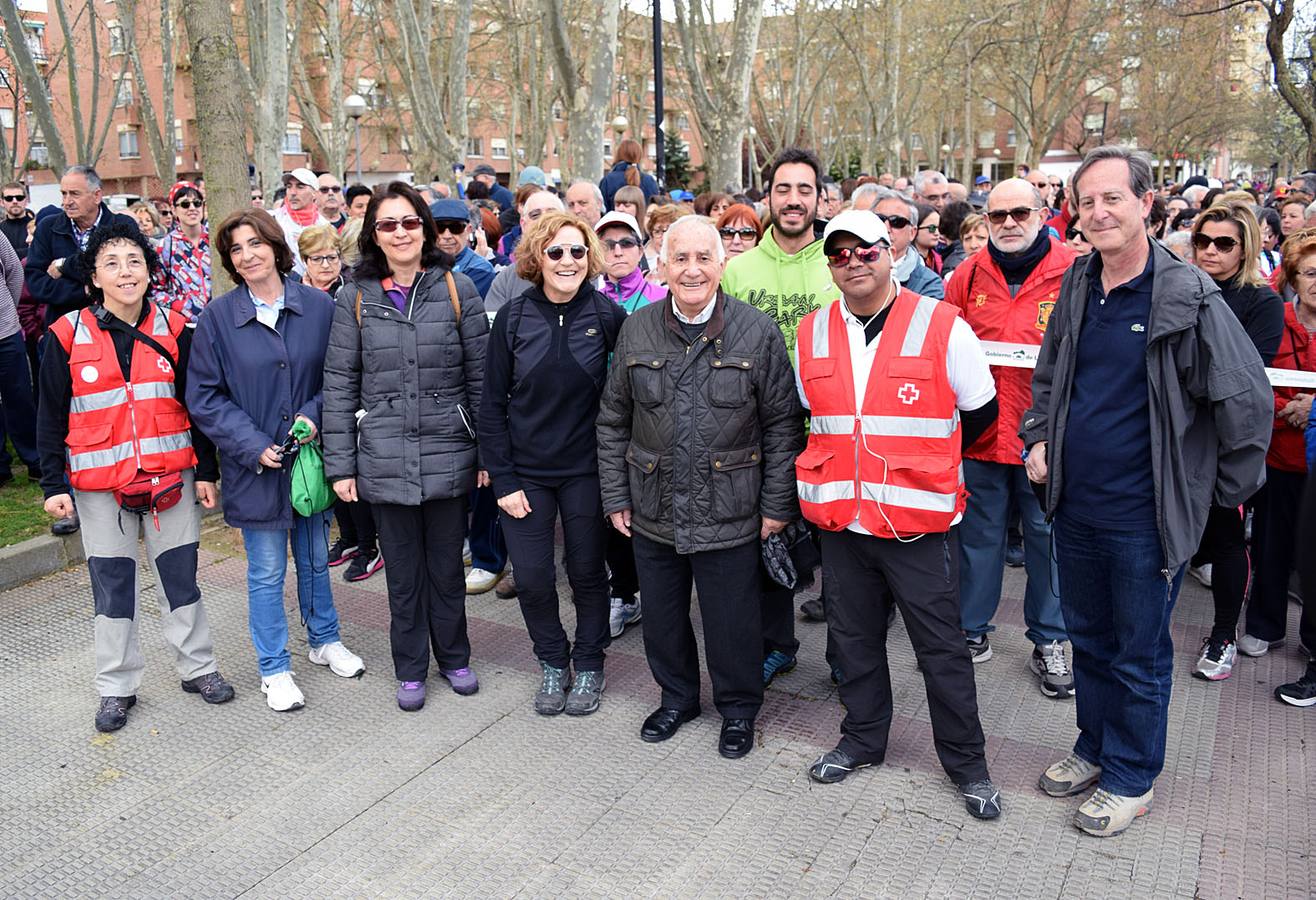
(895, 221)
(189, 204)
(14, 198)
(841, 258)
(626, 243)
(1019, 214)
(451, 226)
(332, 189)
(744, 231)
(388, 226)
(556, 252)
(1224, 243)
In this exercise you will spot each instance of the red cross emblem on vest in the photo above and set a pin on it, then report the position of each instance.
(908, 393)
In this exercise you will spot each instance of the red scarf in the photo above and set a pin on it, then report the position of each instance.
(303, 217)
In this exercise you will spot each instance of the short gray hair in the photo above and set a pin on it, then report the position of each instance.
(87, 172)
(926, 177)
(598, 194)
(1193, 194)
(694, 223)
(1139, 163)
(885, 193)
(863, 192)
(1181, 242)
(1309, 210)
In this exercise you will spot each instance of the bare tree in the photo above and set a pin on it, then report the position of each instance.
(159, 128)
(1294, 78)
(90, 120)
(267, 81)
(222, 119)
(585, 84)
(322, 39)
(34, 85)
(801, 55)
(719, 60)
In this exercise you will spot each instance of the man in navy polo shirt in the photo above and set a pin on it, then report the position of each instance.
(1149, 403)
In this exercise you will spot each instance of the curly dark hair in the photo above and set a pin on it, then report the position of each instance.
(116, 232)
(261, 222)
(790, 155)
(374, 265)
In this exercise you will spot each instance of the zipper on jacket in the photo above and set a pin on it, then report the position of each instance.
(560, 316)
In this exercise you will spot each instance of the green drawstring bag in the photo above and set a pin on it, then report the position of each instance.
(311, 494)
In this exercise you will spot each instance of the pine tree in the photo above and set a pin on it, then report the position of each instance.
(676, 161)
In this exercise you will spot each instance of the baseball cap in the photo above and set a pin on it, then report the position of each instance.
(862, 223)
(532, 175)
(484, 169)
(619, 218)
(304, 175)
(982, 179)
(449, 209)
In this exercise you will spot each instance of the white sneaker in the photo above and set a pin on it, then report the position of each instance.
(480, 580)
(1105, 814)
(466, 552)
(339, 659)
(1254, 646)
(1202, 574)
(1072, 775)
(281, 692)
(622, 614)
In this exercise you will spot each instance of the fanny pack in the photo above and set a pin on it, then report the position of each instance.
(150, 494)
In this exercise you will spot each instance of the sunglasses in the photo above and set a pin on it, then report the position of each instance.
(745, 232)
(842, 257)
(930, 229)
(451, 226)
(626, 243)
(1019, 214)
(189, 204)
(388, 226)
(1076, 236)
(257, 196)
(14, 199)
(334, 189)
(326, 260)
(1224, 243)
(557, 251)
(895, 221)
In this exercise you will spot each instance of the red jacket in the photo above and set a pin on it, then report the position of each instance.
(979, 290)
(1288, 447)
(892, 457)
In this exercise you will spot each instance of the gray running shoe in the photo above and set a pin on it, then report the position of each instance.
(585, 693)
(1052, 670)
(552, 696)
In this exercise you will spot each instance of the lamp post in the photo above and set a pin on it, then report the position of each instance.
(355, 107)
(945, 157)
(619, 126)
(659, 162)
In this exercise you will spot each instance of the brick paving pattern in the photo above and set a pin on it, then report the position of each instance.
(478, 796)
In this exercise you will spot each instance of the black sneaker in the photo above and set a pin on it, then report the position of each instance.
(212, 687)
(834, 766)
(113, 712)
(1301, 692)
(812, 610)
(979, 648)
(341, 552)
(364, 565)
(1014, 555)
(981, 799)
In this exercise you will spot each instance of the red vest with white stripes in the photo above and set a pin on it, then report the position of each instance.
(118, 428)
(893, 462)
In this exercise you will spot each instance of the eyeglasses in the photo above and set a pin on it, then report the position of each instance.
(895, 221)
(1019, 214)
(744, 232)
(450, 226)
(1056, 184)
(327, 260)
(388, 226)
(556, 252)
(841, 258)
(257, 196)
(332, 189)
(1075, 236)
(930, 229)
(16, 198)
(133, 264)
(1307, 275)
(626, 243)
(189, 204)
(1224, 243)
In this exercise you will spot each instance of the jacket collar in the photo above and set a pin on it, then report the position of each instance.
(64, 225)
(1178, 291)
(772, 250)
(1053, 265)
(715, 325)
(244, 310)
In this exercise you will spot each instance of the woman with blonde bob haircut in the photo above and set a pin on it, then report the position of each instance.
(545, 366)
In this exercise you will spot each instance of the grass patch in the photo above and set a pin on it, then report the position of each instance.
(21, 512)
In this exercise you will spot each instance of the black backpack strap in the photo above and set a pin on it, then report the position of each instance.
(114, 323)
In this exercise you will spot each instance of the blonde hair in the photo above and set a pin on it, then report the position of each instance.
(971, 222)
(530, 249)
(348, 242)
(664, 215)
(316, 239)
(1298, 247)
(1249, 269)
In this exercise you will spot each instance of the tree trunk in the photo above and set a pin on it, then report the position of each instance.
(331, 141)
(159, 128)
(587, 97)
(222, 120)
(437, 131)
(267, 46)
(38, 94)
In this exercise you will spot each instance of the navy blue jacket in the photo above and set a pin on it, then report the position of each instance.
(245, 386)
(502, 196)
(53, 240)
(617, 179)
(475, 267)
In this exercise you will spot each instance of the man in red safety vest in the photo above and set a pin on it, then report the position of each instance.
(897, 384)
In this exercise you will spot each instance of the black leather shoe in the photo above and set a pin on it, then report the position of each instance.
(212, 687)
(812, 610)
(113, 712)
(664, 722)
(737, 738)
(66, 526)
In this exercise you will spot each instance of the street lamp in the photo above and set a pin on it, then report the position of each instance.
(619, 126)
(355, 107)
(945, 157)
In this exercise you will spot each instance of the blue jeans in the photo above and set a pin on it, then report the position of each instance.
(1117, 603)
(267, 563)
(488, 548)
(18, 410)
(982, 552)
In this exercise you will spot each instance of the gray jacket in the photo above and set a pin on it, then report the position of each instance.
(1211, 405)
(699, 443)
(417, 375)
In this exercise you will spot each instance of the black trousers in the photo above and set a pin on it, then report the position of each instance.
(1223, 546)
(356, 524)
(729, 593)
(1307, 570)
(623, 580)
(777, 609)
(1275, 540)
(426, 587)
(865, 575)
(530, 545)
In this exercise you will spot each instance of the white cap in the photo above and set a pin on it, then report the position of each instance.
(304, 175)
(619, 218)
(862, 223)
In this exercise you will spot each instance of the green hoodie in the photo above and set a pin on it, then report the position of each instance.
(785, 287)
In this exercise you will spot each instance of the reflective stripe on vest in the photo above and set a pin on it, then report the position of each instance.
(150, 390)
(887, 426)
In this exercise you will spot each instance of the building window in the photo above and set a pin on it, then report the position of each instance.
(986, 140)
(652, 150)
(292, 141)
(178, 135)
(1011, 138)
(6, 118)
(498, 148)
(123, 91)
(4, 79)
(1093, 122)
(38, 154)
(916, 142)
(128, 144)
(475, 146)
(682, 122)
(607, 148)
(35, 45)
(117, 44)
(373, 93)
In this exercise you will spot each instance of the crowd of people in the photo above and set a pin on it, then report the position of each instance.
(737, 394)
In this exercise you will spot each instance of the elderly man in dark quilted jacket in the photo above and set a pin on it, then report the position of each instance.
(698, 431)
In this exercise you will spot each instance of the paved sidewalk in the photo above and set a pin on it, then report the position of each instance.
(477, 796)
